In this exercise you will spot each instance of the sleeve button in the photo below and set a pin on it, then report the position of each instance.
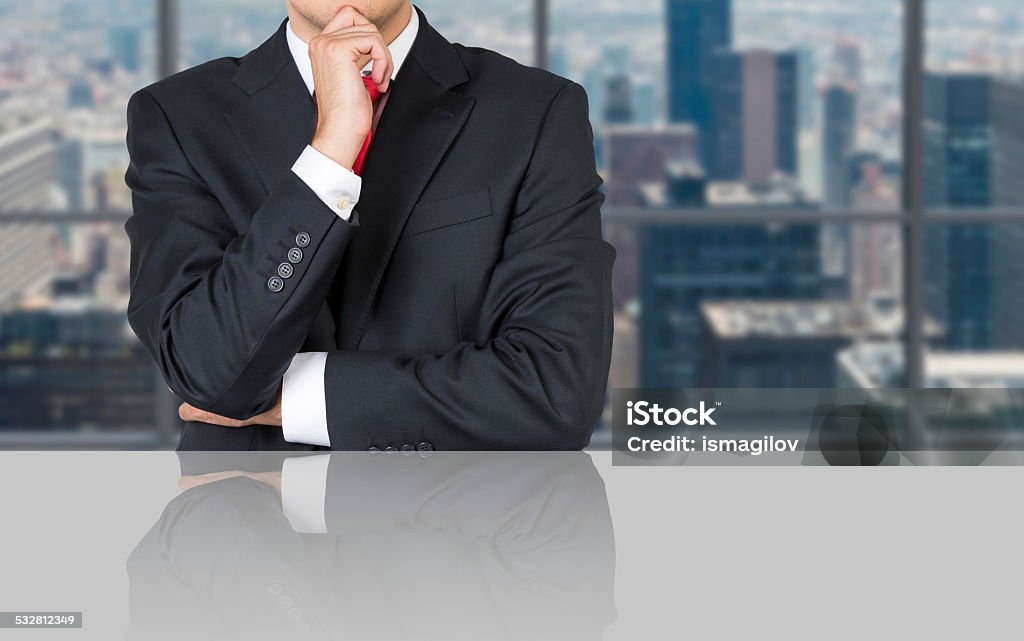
(285, 270)
(302, 240)
(295, 255)
(275, 284)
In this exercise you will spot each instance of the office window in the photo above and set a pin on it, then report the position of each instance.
(972, 284)
(748, 304)
(729, 133)
(212, 29)
(766, 191)
(67, 71)
(791, 98)
(974, 91)
(71, 373)
(973, 180)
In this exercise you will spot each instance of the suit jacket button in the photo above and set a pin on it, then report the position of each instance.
(285, 270)
(390, 449)
(295, 255)
(426, 449)
(302, 240)
(408, 449)
(285, 601)
(275, 589)
(374, 450)
(275, 284)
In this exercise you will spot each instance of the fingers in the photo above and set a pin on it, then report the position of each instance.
(361, 44)
(195, 480)
(385, 68)
(188, 413)
(346, 17)
(189, 482)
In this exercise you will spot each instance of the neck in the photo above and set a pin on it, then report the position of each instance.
(389, 26)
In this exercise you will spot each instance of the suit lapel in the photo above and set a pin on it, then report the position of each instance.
(275, 123)
(421, 118)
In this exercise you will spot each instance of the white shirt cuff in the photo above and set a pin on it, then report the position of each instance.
(337, 186)
(303, 401)
(304, 492)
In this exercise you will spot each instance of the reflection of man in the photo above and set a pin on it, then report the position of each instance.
(410, 257)
(348, 545)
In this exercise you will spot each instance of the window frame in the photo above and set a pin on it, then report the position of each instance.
(911, 216)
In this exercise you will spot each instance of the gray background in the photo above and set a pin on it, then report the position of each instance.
(705, 552)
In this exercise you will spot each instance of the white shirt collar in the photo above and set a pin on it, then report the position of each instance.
(399, 49)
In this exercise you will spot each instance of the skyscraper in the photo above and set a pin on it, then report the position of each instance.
(848, 60)
(1007, 191)
(618, 106)
(753, 124)
(684, 265)
(958, 146)
(645, 105)
(875, 249)
(125, 47)
(958, 155)
(696, 29)
(28, 162)
(805, 87)
(636, 155)
(838, 140)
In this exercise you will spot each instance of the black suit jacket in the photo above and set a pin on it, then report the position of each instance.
(468, 306)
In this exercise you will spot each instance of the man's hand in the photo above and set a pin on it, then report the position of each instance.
(273, 479)
(270, 417)
(344, 110)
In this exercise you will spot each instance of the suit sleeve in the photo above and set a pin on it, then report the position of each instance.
(203, 302)
(539, 382)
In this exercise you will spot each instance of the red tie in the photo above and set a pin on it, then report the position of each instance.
(371, 86)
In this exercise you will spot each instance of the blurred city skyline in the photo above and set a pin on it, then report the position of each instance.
(750, 105)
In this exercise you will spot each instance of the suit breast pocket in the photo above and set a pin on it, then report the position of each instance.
(439, 213)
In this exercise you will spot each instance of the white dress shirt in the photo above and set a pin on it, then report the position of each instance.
(304, 492)
(303, 399)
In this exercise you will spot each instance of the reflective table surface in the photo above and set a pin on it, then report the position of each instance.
(167, 545)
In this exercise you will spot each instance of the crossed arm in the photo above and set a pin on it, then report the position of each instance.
(223, 340)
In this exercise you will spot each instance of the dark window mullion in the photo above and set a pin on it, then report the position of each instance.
(913, 192)
(168, 37)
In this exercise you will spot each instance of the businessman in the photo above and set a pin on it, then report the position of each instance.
(361, 236)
